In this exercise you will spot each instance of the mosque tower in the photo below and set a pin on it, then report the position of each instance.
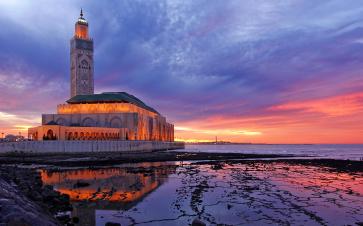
(81, 60)
(105, 116)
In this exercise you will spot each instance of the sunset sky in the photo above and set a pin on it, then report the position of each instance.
(288, 71)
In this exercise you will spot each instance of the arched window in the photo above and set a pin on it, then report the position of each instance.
(115, 122)
(61, 122)
(84, 64)
(88, 122)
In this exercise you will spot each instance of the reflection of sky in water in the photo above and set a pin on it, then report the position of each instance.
(259, 194)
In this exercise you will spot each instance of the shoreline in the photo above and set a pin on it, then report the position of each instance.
(111, 158)
(107, 158)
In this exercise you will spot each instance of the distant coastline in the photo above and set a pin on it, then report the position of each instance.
(246, 143)
(235, 143)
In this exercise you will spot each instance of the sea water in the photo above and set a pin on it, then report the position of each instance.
(333, 151)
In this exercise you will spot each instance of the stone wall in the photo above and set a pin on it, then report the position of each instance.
(38, 147)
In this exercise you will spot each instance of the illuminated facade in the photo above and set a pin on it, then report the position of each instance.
(105, 116)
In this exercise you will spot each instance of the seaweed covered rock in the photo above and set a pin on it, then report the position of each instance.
(17, 209)
(22, 189)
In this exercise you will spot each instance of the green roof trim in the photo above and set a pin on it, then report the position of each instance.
(52, 123)
(110, 97)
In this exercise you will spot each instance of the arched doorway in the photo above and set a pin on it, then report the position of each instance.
(50, 135)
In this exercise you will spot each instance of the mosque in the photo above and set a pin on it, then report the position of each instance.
(104, 116)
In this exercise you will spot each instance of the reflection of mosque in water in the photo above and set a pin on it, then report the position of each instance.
(105, 189)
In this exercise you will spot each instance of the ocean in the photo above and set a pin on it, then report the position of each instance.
(332, 151)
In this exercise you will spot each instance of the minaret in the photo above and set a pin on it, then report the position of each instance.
(81, 59)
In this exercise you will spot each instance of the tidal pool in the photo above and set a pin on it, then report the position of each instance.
(261, 193)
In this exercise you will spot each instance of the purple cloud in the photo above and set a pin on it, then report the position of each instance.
(188, 59)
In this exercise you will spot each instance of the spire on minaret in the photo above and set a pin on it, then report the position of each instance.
(81, 19)
(81, 29)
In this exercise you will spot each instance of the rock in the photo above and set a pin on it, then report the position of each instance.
(20, 210)
(75, 220)
(27, 184)
(80, 184)
(34, 195)
(17, 222)
(48, 187)
(217, 166)
(197, 222)
(63, 218)
(112, 224)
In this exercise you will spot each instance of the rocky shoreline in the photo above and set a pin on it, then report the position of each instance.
(348, 166)
(25, 199)
(104, 159)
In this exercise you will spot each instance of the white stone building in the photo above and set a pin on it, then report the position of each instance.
(105, 116)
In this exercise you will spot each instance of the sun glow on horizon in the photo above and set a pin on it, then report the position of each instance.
(22, 127)
(327, 120)
(219, 131)
(191, 140)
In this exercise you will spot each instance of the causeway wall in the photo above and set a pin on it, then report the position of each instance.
(86, 146)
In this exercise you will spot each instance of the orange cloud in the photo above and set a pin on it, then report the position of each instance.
(336, 119)
(332, 106)
(15, 124)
